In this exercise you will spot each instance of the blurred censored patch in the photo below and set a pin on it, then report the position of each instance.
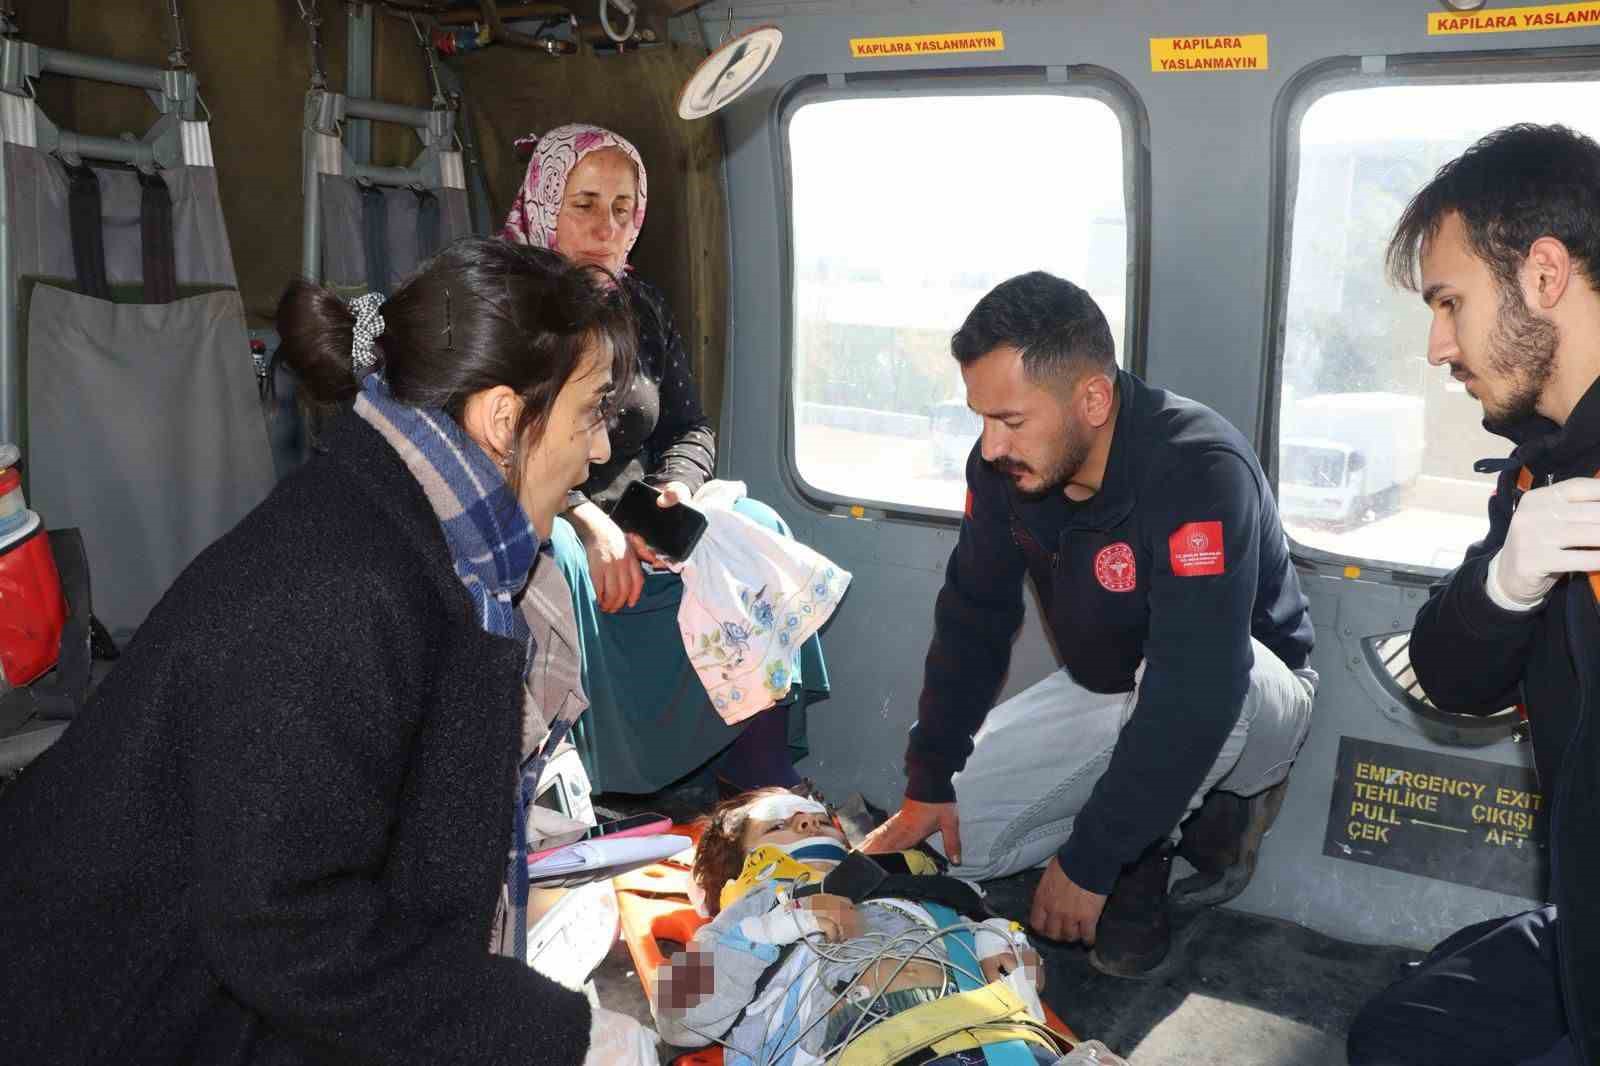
(686, 979)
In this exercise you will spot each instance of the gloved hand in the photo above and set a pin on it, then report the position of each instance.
(617, 1040)
(1555, 531)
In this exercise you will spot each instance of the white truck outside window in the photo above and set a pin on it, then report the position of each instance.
(1375, 447)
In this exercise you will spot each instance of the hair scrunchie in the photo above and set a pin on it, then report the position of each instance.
(369, 327)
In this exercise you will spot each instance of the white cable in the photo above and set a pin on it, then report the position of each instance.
(627, 8)
(961, 924)
(853, 954)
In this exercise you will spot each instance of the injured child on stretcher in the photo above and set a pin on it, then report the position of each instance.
(819, 954)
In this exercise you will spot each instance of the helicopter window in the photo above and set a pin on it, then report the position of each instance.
(899, 226)
(1357, 396)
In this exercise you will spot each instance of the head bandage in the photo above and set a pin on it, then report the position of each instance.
(782, 808)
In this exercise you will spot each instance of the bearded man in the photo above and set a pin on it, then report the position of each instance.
(1504, 246)
(1153, 538)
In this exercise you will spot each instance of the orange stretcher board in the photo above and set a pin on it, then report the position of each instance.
(654, 905)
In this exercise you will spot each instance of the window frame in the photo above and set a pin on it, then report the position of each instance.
(1078, 81)
(1312, 84)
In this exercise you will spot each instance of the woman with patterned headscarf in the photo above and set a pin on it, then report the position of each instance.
(584, 196)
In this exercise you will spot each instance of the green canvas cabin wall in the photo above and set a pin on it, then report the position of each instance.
(253, 62)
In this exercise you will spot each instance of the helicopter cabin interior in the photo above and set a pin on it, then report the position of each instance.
(1222, 177)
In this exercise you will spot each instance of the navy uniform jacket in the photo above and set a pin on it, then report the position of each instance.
(1178, 561)
(1472, 657)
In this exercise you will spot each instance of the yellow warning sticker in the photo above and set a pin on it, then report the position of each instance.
(926, 44)
(1514, 19)
(1170, 55)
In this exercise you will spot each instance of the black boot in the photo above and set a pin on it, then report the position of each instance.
(1134, 932)
(1222, 840)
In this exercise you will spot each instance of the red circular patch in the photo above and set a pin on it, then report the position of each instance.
(1113, 568)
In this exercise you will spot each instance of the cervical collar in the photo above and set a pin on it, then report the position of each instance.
(782, 862)
(814, 849)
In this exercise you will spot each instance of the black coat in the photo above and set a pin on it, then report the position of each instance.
(1473, 657)
(278, 832)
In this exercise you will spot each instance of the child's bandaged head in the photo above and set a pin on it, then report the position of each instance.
(721, 856)
(781, 806)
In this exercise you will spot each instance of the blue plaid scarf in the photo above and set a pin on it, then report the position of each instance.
(493, 547)
(492, 543)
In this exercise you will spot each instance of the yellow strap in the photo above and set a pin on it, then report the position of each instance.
(969, 1039)
(987, 1015)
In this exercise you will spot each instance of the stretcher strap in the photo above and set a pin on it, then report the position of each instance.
(375, 224)
(88, 238)
(963, 951)
(156, 241)
(992, 1018)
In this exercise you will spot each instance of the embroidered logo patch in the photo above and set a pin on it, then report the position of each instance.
(1196, 549)
(1114, 569)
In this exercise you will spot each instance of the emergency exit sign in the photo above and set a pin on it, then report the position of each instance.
(1441, 816)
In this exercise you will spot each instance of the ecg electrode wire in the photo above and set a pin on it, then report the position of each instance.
(824, 952)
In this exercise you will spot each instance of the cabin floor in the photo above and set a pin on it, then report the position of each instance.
(1237, 990)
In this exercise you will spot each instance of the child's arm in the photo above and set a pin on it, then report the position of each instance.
(701, 990)
(1001, 946)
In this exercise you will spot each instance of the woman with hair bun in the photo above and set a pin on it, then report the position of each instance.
(284, 828)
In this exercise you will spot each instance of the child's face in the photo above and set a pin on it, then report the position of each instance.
(798, 826)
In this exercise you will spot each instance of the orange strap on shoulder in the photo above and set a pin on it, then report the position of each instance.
(1524, 483)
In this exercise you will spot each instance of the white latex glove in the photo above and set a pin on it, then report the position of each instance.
(1555, 531)
(617, 1040)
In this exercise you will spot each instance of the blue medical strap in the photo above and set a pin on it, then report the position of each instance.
(963, 952)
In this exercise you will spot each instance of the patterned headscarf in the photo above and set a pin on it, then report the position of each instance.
(533, 216)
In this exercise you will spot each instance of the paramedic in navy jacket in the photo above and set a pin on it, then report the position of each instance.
(1504, 246)
(1153, 539)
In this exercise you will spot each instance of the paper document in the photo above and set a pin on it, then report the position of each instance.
(590, 855)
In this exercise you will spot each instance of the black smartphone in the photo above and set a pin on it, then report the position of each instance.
(671, 532)
(638, 825)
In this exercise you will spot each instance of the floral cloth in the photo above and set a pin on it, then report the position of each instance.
(751, 598)
(532, 219)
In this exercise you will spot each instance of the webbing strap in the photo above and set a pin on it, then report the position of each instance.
(88, 238)
(375, 235)
(1524, 483)
(991, 1016)
(428, 225)
(963, 951)
(160, 257)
